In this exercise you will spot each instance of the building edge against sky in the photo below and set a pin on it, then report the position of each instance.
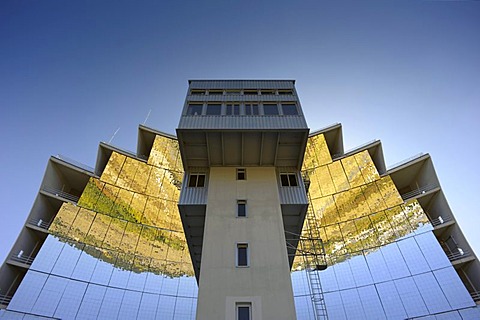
(149, 226)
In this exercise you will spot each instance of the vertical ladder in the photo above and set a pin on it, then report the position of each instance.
(309, 245)
(315, 261)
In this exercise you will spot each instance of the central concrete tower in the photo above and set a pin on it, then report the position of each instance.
(242, 144)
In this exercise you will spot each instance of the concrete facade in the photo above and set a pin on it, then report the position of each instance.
(265, 283)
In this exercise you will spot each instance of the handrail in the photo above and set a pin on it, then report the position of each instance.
(75, 163)
(440, 220)
(4, 299)
(421, 190)
(22, 259)
(130, 153)
(458, 254)
(475, 295)
(401, 162)
(363, 145)
(39, 223)
(60, 193)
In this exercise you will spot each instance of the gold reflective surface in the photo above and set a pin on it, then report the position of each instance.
(357, 210)
(129, 217)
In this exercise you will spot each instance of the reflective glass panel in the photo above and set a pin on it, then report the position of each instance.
(92, 301)
(71, 299)
(28, 292)
(389, 296)
(50, 296)
(413, 256)
(111, 303)
(431, 293)
(113, 168)
(454, 290)
(67, 260)
(352, 304)
(371, 303)
(352, 171)
(130, 304)
(338, 176)
(148, 306)
(410, 297)
(335, 305)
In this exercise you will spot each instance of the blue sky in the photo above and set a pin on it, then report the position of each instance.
(72, 73)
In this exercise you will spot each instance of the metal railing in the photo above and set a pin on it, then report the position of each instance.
(363, 145)
(419, 191)
(398, 164)
(39, 223)
(21, 258)
(440, 220)
(475, 295)
(457, 254)
(131, 153)
(4, 299)
(60, 193)
(75, 163)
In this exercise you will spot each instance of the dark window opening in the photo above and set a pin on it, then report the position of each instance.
(251, 109)
(285, 92)
(267, 92)
(241, 208)
(288, 179)
(289, 109)
(196, 180)
(194, 109)
(270, 109)
(214, 109)
(242, 255)
(197, 92)
(241, 174)
(244, 311)
(250, 92)
(233, 109)
(215, 92)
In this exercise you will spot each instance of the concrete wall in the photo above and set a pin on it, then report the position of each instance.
(266, 283)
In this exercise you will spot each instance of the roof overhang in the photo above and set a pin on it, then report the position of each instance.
(207, 148)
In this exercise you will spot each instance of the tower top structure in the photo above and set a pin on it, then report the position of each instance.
(242, 123)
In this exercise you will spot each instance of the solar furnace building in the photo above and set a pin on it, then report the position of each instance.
(244, 214)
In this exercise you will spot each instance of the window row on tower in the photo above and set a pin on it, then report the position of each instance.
(244, 109)
(198, 179)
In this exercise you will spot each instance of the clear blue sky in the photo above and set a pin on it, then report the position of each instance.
(72, 72)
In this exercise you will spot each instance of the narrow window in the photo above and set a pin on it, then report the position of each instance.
(232, 92)
(288, 179)
(241, 174)
(244, 311)
(251, 109)
(289, 109)
(241, 208)
(250, 92)
(197, 92)
(233, 109)
(214, 109)
(267, 92)
(270, 109)
(242, 255)
(194, 109)
(215, 92)
(196, 180)
(285, 92)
